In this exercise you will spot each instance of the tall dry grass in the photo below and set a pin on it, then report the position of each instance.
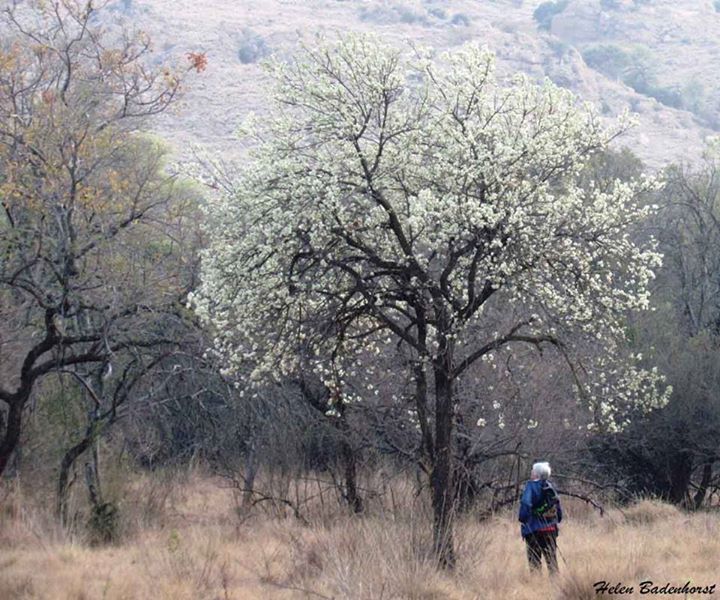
(185, 539)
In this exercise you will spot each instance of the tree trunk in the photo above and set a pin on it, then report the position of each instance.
(351, 490)
(441, 479)
(680, 470)
(67, 463)
(349, 462)
(92, 481)
(704, 483)
(11, 435)
(251, 469)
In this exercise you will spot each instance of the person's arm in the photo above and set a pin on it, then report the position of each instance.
(526, 505)
(559, 511)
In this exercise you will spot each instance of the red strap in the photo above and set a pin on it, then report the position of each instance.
(547, 529)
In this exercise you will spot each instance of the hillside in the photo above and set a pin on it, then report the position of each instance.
(653, 57)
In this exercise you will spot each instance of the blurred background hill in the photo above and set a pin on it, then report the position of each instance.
(656, 58)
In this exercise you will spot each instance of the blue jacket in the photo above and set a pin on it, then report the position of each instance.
(532, 498)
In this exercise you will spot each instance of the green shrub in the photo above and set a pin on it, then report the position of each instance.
(559, 47)
(103, 524)
(546, 11)
(609, 59)
(252, 47)
(396, 13)
(634, 68)
(460, 19)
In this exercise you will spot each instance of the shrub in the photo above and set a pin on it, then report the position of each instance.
(126, 7)
(609, 59)
(460, 19)
(559, 47)
(252, 47)
(546, 11)
(103, 523)
(409, 15)
(694, 96)
(634, 69)
(388, 14)
(650, 511)
(668, 96)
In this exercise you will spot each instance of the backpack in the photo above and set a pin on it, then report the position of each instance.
(549, 501)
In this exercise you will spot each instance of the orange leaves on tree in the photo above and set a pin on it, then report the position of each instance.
(198, 61)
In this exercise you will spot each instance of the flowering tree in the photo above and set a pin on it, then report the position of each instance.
(397, 200)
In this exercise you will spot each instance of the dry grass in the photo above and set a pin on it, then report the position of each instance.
(196, 546)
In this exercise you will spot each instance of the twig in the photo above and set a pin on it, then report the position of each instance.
(585, 498)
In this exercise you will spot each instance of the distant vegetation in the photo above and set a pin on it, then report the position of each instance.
(393, 13)
(545, 13)
(389, 13)
(635, 68)
(252, 47)
(460, 19)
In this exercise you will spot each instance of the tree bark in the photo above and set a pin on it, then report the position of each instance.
(680, 470)
(441, 479)
(699, 497)
(11, 436)
(351, 490)
(66, 464)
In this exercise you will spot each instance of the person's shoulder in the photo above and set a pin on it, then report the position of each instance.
(533, 486)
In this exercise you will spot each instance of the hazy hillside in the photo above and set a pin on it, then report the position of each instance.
(667, 51)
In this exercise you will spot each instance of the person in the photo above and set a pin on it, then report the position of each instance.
(540, 513)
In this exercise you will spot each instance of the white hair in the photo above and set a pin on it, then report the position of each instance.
(541, 470)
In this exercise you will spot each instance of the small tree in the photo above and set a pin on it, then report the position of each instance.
(83, 196)
(546, 11)
(397, 201)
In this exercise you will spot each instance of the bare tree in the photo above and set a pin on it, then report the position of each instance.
(86, 259)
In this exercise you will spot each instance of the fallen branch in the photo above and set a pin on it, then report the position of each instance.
(585, 498)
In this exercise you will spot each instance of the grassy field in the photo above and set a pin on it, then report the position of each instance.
(185, 540)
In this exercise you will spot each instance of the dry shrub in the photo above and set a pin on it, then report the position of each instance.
(367, 558)
(145, 501)
(577, 585)
(23, 522)
(647, 511)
